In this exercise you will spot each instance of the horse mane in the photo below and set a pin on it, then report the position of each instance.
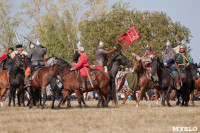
(112, 60)
(64, 63)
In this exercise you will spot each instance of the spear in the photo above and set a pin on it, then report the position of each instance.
(17, 38)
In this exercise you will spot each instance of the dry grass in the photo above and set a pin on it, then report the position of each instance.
(125, 118)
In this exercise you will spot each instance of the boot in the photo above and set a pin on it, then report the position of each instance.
(178, 87)
(27, 82)
(83, 84)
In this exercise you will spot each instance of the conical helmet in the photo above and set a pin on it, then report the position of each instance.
(101, 44)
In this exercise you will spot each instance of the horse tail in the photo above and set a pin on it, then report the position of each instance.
(122, 82)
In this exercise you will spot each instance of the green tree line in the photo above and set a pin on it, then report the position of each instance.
(61, 24)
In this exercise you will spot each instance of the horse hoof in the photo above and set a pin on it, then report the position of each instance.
(168, 105)
(123, 103)
(177, 103)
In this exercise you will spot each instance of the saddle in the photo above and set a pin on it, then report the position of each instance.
(34, 72)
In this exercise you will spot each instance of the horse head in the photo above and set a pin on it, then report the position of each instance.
(19, 60)
(192, 68)
(51, 61)
(122, 60)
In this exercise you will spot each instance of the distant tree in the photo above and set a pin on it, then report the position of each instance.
(155, 28)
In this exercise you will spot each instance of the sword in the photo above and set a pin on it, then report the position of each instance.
(89, 77)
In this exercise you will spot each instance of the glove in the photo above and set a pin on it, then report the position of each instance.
(165, 64)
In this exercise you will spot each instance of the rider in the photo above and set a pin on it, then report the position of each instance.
(147, 60)
(183, 58)
(101, 56)
(83, 65)
(77, 55)
(18, 51)
(36, 56)
(4, 60)
(168, 59)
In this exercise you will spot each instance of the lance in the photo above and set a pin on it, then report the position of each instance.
(17, 38)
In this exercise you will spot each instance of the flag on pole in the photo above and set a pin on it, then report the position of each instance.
(128, 37)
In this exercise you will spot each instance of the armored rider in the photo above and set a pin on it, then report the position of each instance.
(36, 57)
(168, 60)
(183, 58)
(101, 56)
(147, 60)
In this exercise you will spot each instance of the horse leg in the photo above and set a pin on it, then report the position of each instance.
(68, 101)
(168, 95)
(53, 99)
(82, 99)
(78, 94)
(140, 96)
(30, 97)
(163, 97)
(192, 98)
(13, 96)
(18, 97)
(65, 94)
(2, 92)
(99, 101)
(43, 97)
(10, 96)
(135, 98)
(126, 96)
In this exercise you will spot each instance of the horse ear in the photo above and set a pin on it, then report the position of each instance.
(52, 55)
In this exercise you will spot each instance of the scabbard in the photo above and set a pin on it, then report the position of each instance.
(89, 77)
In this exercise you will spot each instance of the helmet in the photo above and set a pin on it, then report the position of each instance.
(168, 43)
(148, 48)
(181, 46)
(78, 45)
(181, 49)
(101, 44)
(38, 43)
(81, 49)
(19, 45)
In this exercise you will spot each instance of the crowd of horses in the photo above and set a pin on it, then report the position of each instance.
(13, 80)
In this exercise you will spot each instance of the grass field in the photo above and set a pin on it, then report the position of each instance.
(122, 119)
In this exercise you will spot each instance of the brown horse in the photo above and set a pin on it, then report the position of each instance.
(4, 84)
(40, 82)
(144, 81)
(71, 85)
(197, 83)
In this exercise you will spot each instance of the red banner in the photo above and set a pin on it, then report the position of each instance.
(129, 36)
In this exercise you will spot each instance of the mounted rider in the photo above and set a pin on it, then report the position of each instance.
(18, 51)
(83, 65)
(76, 54)
(36, 57)
(183, 58)
(168, 60)
(101, 56)
(147, 60)
(5, 60)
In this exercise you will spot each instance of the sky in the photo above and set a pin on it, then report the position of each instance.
(185, 11)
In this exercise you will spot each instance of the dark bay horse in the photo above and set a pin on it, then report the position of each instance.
(166, 82)
(189, 76)
(41, 79)
(16, 79)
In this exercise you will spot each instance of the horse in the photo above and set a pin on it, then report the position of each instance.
(71, 84)
(144, 81)
(42, 78)
(166, 81)
(16, 79)
(189, 76)
(4, 84)
(197, 84)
